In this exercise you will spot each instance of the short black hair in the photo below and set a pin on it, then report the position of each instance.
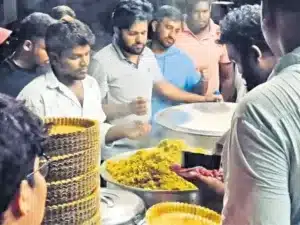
(127, 12)
(241, 27)
(192, 3)
(23, 137)
(168, 11)
(34, 26)
(60, 11)
(65, 35)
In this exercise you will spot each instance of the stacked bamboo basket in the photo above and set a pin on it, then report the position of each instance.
(73, 181)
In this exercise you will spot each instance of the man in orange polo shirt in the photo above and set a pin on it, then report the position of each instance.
(198, 40)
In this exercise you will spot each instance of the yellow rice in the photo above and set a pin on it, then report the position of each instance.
(150, 169)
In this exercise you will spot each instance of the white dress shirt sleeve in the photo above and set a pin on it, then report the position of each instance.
(155, 69)
(101, 76)
(33, 101)
(256, 171)
(104, 127)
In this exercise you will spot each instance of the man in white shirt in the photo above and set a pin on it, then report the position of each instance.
(68, 91)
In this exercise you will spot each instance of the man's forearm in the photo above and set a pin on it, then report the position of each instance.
(201, 87)
(175, 94)
(228, 89)
(227, 81)
(182, 96)
(115, 111)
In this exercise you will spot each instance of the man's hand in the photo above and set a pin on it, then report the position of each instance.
(198, 175)
(138, 106)
(213, 98)
(136, 130)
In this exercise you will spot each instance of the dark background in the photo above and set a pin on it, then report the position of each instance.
(96, 13)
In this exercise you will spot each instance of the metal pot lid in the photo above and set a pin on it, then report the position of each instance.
(206, 119)
(120, 207)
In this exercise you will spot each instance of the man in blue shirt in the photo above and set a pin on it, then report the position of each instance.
(176, 66)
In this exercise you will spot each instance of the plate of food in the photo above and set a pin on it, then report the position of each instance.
(147, 173)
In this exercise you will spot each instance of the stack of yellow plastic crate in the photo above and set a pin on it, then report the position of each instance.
(73, 181)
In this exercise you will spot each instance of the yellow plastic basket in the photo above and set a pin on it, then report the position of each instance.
(69, 190)
(83, 134)
(95, 220)
(181, 214)
(73, 165)
(77, 212)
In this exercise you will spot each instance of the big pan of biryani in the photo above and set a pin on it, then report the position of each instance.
(147, 172)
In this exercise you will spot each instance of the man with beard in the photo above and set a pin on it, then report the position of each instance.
(30, 58)
(198, 41)
(68, 91)
(261, 156)
(246, 45)
(128, 69)
(177, 68)
(241, 31)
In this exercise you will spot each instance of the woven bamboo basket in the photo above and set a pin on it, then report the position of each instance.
(95, 220)
(73, 189)
(77, 212)
(70, 135)
(67, 147)
(73, 165)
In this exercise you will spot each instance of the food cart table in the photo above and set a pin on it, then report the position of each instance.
(200, 125)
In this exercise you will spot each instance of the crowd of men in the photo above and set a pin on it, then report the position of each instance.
(184, 59)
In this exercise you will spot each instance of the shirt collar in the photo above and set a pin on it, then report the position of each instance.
(13, 66)
(119, 51)
(289, 59)
(53, 83)
(51, 80)
(171, 49)
(122, 56)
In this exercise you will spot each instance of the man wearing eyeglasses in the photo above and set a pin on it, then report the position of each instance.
(22, 176)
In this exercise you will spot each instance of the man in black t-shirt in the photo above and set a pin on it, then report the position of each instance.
(30, 58)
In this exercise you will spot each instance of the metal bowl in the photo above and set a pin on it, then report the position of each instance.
(169, 123)
(198, 197)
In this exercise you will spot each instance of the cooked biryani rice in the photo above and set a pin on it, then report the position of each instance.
(150, 169)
